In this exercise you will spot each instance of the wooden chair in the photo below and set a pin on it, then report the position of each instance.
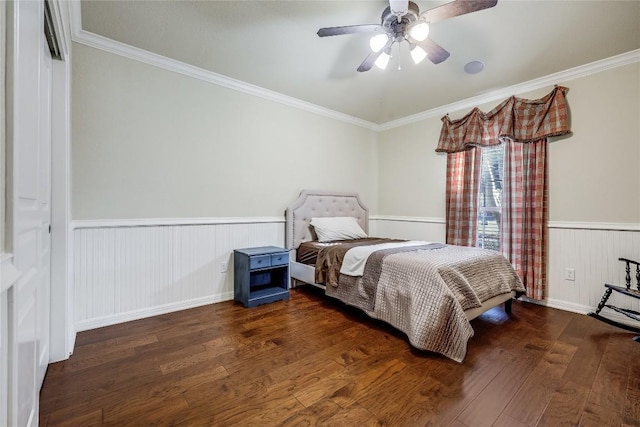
(628, 291)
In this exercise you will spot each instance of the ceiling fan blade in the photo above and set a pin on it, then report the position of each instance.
(369, 61)
(373, 56)
(456, 8)
(435, 52)
(351, 29)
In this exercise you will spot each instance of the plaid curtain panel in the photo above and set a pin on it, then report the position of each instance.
(463, 180)
(523, 233)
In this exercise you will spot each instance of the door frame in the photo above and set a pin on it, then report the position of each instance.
(62, 330)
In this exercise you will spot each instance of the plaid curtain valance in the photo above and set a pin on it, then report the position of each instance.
(521, 120)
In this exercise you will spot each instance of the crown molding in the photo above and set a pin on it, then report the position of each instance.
(86, 38)
(499, 94)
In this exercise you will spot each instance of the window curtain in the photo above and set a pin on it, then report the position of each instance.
(524, 125)
(523, 229)
(463, 180)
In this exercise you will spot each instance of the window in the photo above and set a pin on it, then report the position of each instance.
(490, 198)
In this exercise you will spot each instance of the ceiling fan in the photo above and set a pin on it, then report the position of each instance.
(402, 21)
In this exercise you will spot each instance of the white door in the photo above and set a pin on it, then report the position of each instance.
(44, 172)
(30, 140)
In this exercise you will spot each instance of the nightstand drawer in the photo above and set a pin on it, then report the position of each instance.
(261, 261)
(279, 259)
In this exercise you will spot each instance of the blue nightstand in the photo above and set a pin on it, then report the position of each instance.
(261, 275)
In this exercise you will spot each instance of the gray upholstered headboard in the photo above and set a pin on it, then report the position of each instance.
(312, 204)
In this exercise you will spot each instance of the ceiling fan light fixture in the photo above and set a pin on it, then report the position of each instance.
(378, 41)
(418, 54)
(420, 31)
(383, 60)
(402, 21)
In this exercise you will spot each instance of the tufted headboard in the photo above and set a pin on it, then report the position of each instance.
(312, 204)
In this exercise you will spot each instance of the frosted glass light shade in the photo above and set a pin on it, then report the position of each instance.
(382, 61)
(418, 54)
(420, 31)
(378, 41)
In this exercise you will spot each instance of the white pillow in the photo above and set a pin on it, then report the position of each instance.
(337, 228)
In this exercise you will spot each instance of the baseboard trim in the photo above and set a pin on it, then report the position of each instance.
(580, 309)
(99, 322)
(561, 305)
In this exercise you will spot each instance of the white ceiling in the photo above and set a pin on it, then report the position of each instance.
(273, 44)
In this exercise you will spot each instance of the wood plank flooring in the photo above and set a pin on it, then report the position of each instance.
(313, 361)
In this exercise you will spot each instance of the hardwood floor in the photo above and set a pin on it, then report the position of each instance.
(313, 361)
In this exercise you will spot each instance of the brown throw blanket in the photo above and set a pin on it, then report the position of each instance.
(424, 291)
(329, 259)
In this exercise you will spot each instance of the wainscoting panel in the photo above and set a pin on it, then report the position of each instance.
(592, 250)
(124, 272)
(134, 269)
(593, 254)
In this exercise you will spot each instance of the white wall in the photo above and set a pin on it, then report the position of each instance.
(594, 175)
(411, 175)
(151, 143)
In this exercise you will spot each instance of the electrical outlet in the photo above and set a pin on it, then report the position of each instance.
(570, 274)
(223, 267)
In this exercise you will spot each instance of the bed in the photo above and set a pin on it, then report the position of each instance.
(427, 290)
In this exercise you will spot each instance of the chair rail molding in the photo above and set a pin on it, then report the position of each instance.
(155, 222)
(578, 225)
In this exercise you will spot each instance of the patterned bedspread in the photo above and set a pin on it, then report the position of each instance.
(424, 290)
